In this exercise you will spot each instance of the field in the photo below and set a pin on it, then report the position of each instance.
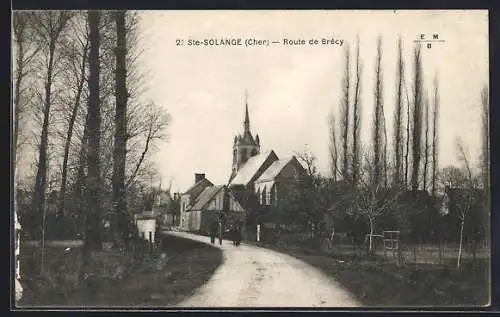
(378, 281)
(159, 279)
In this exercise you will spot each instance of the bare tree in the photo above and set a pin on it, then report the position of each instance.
(417, 119)
(345, 110)
(398, 117)
(154, 123)
(485, 160)
(25, 52)
(120, 146)
(377, 118)
(333, 146)
(49, 26)
(93, 236)
(370, 201)
(384, 153)
(485, 138)
(308, 191)
(426, 143)
(435, 139)
(465, 201)
(78, 70)
(407, 137)
(356, 126)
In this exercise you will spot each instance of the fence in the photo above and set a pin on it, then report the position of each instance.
(395, 250)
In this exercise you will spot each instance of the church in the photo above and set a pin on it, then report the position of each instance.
(261, 180)
(258, 183)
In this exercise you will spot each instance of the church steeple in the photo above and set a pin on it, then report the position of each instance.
(244, 146)
(246, 123)
(247, 120)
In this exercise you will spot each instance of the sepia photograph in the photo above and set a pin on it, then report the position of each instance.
(250, 159)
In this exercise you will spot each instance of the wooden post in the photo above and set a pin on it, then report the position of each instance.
(385, 247)
(440, 251)
(150, 241)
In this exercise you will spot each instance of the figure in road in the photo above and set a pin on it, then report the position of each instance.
(237, 233)
(233, 233)
(221, 230)
(213, 231)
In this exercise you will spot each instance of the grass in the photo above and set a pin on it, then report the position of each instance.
(161, 279)
(375, 282)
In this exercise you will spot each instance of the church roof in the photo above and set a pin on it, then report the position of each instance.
(274, 170)
(250, 169)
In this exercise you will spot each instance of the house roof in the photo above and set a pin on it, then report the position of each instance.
(164, 198)
(274, 170)
(251, 167)
(206, 195)
(198, 188)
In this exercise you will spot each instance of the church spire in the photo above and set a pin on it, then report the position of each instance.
(247, 119)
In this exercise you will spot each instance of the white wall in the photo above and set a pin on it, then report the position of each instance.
(146, 226)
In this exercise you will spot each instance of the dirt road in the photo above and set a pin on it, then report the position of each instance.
(256, 277)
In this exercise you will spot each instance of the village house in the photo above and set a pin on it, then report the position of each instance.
(166, 208)
(204, 203)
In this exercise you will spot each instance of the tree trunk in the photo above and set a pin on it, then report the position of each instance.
(435, 137)
(407, 152)
(426, 144)
(417, 122)
(93, 236)
(378, 165)
(356, 119)
(398, 117)
(38, 201)
(17, 93)
(459, 259)
(345, 117)
(42, 244)
(120, 140)
(474, 253)
(370, 248)
(81, 81)
(385, 163)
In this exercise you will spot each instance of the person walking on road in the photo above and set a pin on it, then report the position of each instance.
(221, 231)
(237, 233)
(213, 231)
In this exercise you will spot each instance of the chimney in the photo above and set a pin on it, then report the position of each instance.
(198, 177)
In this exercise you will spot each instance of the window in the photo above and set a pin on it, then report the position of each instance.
(268, 196)
(271, 195)
(263, 196)
(243, 155)
(275, 193)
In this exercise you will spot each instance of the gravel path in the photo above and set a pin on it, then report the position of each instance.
(256, 277)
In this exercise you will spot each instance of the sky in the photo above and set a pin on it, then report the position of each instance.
(292, 89)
